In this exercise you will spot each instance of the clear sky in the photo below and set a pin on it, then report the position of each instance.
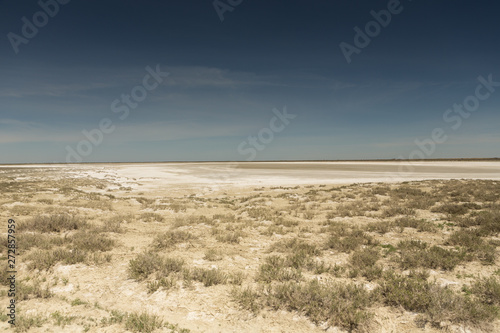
(82, 65)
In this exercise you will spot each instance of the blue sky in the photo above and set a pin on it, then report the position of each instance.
(226, 77)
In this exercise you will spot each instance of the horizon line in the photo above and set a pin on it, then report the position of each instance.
(470, 159)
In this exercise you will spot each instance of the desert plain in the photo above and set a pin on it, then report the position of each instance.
(254, 247)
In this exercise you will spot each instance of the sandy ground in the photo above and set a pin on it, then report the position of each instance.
(214, 184)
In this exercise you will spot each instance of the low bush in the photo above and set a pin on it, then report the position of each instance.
(410, 222)
(475, 246)
(25, 322)
(171, 238)
(363, 262)
(26, 241)
(91, 241)
(247, 298)
(143, 322)
(213, 255)
(148, 263)
(53, 223)
(151, 217)
(209, 277)
(285, 222)
(364, 258)
(339, 304)
(350, 241)
(436, 303)
(295, 245)
(228, 236)
(25, 291)
(487, 290)
(381, 227)
(452, 209)
(45, 259)
(394, 210)
(192, 220)
(277, 268)
(415, 254)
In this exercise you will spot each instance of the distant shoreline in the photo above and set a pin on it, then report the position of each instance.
(492, 159)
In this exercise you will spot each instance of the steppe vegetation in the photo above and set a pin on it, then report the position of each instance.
(97, 254)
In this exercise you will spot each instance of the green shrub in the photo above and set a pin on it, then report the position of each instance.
(350, 242)
(148, 263)
(262, 213)
(27, 291)
(276, 268)
(339, 304)
(46, 201)
(466, 238)
(295, 245)
(171, 265)
(410, 292)
(285, 222)
(143, 322)
(423, 202)
(452, 209)
(27, 241)
(236, 278)
(144, 265)
(364, 258)
(226, 236)
(209, 277)
(151, 217)
(489, 222)
(475, 246)
(191, 220)
(116, 317)
(222, 218)
(53, 223)
(437, 304)
(25, 322)
(407, 192)
(77, 302)
(437, 257)
(45, 259)
(339, 229)
(171, 238)
(410, 222)
(380, 190)
(165, 282)
(394, 210)
(363, 262)
(91, 241)
(487, 290)
(414, 254)
(381, 227)
(213, 255)
(247, 299)
(354, 208)
(62, 320)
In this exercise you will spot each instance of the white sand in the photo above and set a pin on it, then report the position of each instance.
(221, 174)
